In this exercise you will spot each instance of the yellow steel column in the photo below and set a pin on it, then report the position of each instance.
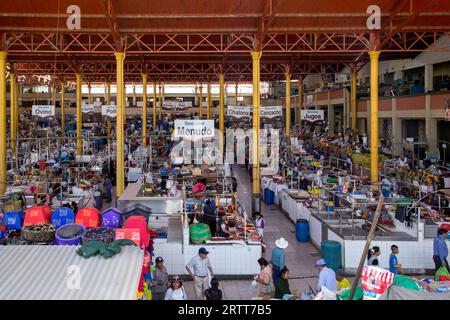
(160, 102)
(12, 112)
(63, 114)
(208, 106)
(16, 108)
(200, 102)
(154, 105)
(120, 175)
(374, 114)
(287, 75)
(256, 56)
(54, 95)
(300, 101)
(79, 117)
(353, 98)
(3, 55)
(222, 110)
(144, 110)
(108, 102)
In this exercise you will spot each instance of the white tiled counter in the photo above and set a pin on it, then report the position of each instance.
(226, 259)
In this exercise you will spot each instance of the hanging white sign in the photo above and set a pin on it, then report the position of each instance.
(239, 111)
(87, 108)
(109, 111)
(169, 105)
(313, 115)
(271, 112)
(194, 129)
(184, 105)
(43, 111)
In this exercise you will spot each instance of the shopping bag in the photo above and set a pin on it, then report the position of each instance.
(442, 271)
(325, 294)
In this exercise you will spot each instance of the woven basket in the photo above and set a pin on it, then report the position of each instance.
(39, 233)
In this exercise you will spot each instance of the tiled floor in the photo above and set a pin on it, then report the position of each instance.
(300, 257)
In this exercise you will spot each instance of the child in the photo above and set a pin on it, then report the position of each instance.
(372, 256)
(342, 282)
(394, 266)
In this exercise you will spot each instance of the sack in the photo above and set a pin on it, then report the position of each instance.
(13, 220)
(254, 284)
(199, 232)
(442, 271)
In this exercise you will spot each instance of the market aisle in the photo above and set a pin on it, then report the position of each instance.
(300, 257)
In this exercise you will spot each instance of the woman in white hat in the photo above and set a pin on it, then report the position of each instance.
(278, 258)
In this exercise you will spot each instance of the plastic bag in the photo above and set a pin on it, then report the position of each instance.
(442, 271)
(254, 284)
(325, 294)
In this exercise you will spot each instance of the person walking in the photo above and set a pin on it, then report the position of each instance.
(265, 280)
(259, 223)
(394, 266)
(213, 293)
(200, 265)
(278, 258)
(327, 276)
(440, 250)
(107, 185)
(160, 280)
(176, 290)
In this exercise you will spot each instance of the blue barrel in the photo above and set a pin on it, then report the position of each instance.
(269, 196)
(302, 230)
(331, 252)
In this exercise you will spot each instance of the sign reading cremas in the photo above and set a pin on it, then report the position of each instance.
(271, 112)
(109, 111)
(43, 111)
(313, 115)
(194, 129)
(239, 111)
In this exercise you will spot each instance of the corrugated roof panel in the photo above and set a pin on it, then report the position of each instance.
(43, 272)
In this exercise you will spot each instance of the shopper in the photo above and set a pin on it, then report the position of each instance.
(327, 276)
(200, 265)
(265, 279)
(213, 293)
(440, 250)
(282, 286)
(176, 290)
(372, 256)
(259, 223)
(107, 185)
(209, 217)
(160, 280)
(278, 258)
(394, 266)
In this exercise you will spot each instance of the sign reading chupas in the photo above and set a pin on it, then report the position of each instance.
(313, 115)
(239, 111)
(43, 111)
(109, 111)
(194, 129)
(87, 108)
(271, 112)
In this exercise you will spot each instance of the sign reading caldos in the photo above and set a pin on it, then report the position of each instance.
(239, 111)
(43, 111)
(313, 115)
(194, 129)
(169, 105)
(109, 111)
(271, 112)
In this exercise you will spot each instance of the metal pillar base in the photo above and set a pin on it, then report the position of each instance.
(256, 204)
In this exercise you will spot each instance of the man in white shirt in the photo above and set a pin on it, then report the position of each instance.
(327, 276)
(200, 265)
